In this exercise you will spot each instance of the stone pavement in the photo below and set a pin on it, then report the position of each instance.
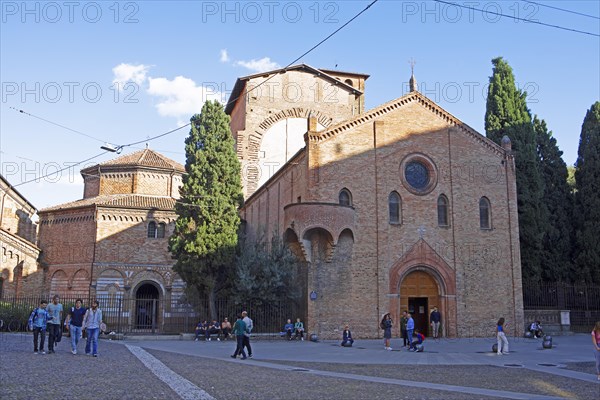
(448, 369)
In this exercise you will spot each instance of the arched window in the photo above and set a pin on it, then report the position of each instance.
(395, 208)
(345, 197)
(442, 208)
(160, 232)
(484, 213)
(152, 229)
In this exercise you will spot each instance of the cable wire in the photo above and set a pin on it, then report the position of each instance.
(518, 18)
(60, 170)
(305, 53)
(57, 124)
(561, 9)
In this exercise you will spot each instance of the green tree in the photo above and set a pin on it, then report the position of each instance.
(266, 272)
(571, 179)
(587, 199)
(507, 114)
(557, 244)
(206, 230)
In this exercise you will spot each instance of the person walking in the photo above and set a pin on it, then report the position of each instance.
(249, 326)
(74, 324)
(386, 325)
(239, 329)
(403, 322)
(410, 328)
(55, 309)
(91, 324)
(502, 341)
(596, 341)
(38, 321)
(435, 318)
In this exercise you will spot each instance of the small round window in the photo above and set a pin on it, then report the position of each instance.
(417, 175)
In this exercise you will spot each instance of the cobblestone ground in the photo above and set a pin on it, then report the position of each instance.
(118, 374)
(226, 380)
(482, 376)
(585, 367)
(115, 374)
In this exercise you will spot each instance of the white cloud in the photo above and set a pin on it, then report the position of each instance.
(180, 97)
(124, 73)
(262, 65)
(224, 56)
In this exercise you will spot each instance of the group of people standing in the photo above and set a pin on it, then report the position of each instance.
(411, 337)
(79, 320)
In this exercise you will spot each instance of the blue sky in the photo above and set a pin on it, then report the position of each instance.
(125, 71)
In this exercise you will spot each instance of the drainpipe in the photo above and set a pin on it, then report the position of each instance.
(453, 238)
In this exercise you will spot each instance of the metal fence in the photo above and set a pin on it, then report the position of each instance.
(157, 316)
(582, 300)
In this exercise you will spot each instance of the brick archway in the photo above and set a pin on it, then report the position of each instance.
(422, 257)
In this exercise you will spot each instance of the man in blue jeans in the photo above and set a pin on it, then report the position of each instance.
(55, 310)
(410, 328)
(91, 323)
(74, 323)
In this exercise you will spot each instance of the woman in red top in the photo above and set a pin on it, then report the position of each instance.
(596, 341)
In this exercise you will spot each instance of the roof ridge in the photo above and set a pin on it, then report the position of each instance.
(396, 103)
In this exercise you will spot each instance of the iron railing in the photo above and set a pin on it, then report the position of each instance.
(158, 316)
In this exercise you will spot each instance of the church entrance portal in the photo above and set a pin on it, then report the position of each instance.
(419, 293)
(146, 306)
(417, 307)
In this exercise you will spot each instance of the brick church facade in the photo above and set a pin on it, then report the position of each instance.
(19, 274)
(113, 243)
(402, 207)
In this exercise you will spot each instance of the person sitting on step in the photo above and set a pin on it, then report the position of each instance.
(347, 340)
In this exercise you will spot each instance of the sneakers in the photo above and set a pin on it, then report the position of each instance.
(209, 339)
(249, 355)
(195, 340)
(233, 356)
(499, 354)
(95, 355)
(35, 352)
(218, 340)
(505, 352)
(74, 351)
(42, 352)
(388, 348)
(243, 358)
(302, 339)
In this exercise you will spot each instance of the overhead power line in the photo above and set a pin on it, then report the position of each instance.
(308, 51)
(60, 170)
(518, 18)
(59, 125)
(561, 9)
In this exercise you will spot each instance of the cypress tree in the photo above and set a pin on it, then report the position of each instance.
(587, 198)
(507, 114)
(206, 230)
(557, 244)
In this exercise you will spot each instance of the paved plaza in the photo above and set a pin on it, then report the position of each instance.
(184, 369)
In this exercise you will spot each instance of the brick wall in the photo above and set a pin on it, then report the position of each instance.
(367, 159)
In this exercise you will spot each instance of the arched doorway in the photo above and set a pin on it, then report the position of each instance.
(146, 306)
(419, 293)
